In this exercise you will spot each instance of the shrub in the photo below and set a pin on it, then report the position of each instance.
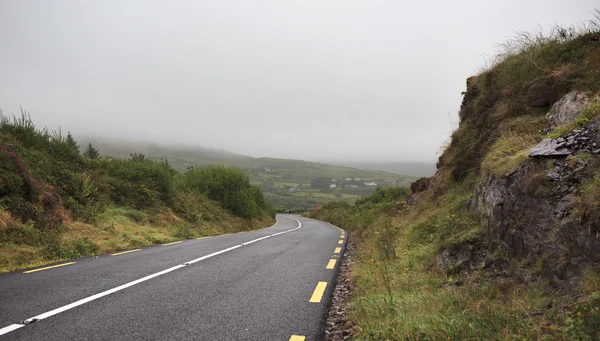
(229, 186)
(140, 184)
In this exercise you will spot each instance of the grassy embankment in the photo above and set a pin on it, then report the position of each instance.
(401, 293)
(56, 203)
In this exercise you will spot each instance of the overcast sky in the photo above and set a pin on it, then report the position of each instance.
(360, 80)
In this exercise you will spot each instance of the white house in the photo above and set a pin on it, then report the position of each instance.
(371, 183)
(332, 185)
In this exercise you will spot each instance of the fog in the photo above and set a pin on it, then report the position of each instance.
(316, 80)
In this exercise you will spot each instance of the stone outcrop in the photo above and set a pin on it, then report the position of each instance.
(568, 108)
(579, 140)
(528, 212)
(420, 185)
(550, 147)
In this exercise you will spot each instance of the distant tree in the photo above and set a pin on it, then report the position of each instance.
(71, 142)
(91, 152)
(137, 157)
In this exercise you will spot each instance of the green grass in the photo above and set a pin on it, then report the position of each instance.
(117, 228)
(512, 147)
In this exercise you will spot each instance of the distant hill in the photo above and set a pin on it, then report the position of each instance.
(409, 168)
(288, 184)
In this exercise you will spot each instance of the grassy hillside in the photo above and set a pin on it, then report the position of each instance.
(400, 167)
(57, 203)
(287, 184)
(433, 266)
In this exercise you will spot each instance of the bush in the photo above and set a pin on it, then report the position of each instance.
(229, 186)
(140, 184)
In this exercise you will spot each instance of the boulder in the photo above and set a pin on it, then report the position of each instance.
(420, 185)
(568, 108)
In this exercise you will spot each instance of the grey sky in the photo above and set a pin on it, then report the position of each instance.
(363, 80)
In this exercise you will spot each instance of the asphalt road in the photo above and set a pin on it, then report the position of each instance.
(270, 284)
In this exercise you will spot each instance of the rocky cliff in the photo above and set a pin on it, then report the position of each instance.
(528, 146)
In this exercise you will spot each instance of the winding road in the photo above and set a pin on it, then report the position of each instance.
(269, 284)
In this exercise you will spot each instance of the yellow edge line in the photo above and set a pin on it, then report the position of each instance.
(124, 252)
(297, 338)
(318, 293)
(167, 244)
(331, 264)
(48, 267)
(340, 242)
(342, 236)
(203, 237)
(337, 250)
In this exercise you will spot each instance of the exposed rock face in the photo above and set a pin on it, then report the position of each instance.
(584, 140)
(538, 224)
(512, 217)
(464, 257)
(420, 185)
(550, 147)
(568, 108)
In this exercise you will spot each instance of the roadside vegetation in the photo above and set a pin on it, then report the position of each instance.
(402, 289)
(59, 203)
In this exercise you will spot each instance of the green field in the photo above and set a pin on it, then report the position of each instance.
(287, 184)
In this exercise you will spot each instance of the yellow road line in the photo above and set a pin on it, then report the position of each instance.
(124, 252)
(340, 241)
(297, 338)
(318, 293)
(331, 264)
(167, 244)
(342, 236)
(48, 267)
(203, 237)
(337, 250)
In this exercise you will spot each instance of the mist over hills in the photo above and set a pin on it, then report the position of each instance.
(183, 154)
(287, 183)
